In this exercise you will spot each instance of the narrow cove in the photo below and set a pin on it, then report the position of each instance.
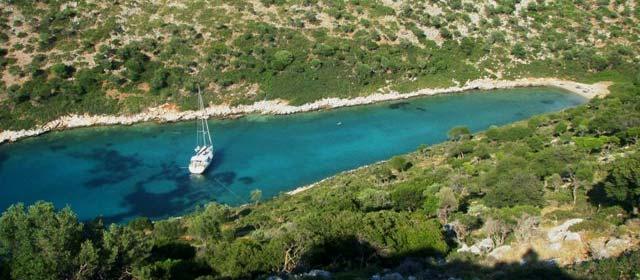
(140, 170)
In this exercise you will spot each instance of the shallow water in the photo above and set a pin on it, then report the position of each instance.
(140, 170)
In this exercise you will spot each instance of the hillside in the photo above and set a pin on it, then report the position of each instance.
(557, 193)
(556, 196)
(62, 57)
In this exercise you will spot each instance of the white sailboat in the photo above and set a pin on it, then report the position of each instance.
(204, 146)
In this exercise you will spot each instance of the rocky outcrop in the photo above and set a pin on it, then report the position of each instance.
(388, 276)
(602, 248)
(500, 252)
(317, 274)
(562, 233)
(481, 247)
(167, 113)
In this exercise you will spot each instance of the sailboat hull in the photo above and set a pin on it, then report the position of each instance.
(198, 168)
(201, 160)
(203, 154)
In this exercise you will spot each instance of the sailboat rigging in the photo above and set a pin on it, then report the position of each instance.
(204, 146)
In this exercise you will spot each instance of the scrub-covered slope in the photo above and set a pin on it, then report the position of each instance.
(61, 57)
(522, 201)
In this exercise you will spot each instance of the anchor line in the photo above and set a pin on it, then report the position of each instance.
(232, 192)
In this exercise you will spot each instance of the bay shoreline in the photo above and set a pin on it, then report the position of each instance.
(167, 113)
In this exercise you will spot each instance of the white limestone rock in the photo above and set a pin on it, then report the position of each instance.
(481, 247)
(559, 233)
(318, 273)
(500, 252)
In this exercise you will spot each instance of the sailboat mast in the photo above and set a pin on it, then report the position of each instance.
(205, 124)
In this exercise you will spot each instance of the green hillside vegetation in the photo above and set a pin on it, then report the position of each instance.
(107, 57)
(578, 163)
(59, 57)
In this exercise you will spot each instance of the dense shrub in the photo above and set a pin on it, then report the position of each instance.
(515, 187)
(399, 163)
(282, 59)
(408, 195)
(511, 133)
(458, 133)
(623, 183)
(622, 267)
(403, 234)
(373, 200)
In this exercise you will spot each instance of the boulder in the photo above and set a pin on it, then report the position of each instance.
(318, 273)
(392, 276)
(559, 233)
(555, 246)
(616, 246)
(601, 249)
(465, 248)
(597, 248)
(485, 245)
(481, 247)
(572, 236)
(500, 252)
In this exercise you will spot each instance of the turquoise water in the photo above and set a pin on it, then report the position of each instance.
(140, 170)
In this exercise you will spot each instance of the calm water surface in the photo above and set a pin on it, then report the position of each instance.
(123, 172)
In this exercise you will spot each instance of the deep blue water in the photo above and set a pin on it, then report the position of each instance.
(140, 170)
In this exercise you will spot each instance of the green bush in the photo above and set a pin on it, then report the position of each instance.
(460, 149)
(62, 70)
(515, 187)
(399, 163)
(459, 133)
(159, 80)
(623, 182)
(621, 267)
(519, 51)
(241, 258)
(431, 205)
(374, 200)
(408, 195)
(511, 133)
(282, 59)
(168, 230)
(403, 234)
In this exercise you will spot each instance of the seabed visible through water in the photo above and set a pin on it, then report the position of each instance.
(123, 172)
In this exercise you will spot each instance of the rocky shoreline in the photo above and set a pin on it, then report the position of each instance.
(166, 113)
